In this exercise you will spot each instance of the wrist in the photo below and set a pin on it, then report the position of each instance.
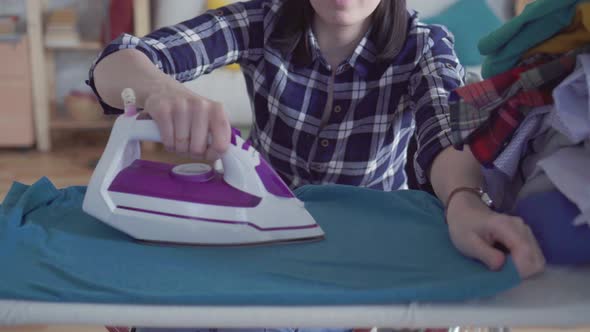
(164, 87)
(467, 203)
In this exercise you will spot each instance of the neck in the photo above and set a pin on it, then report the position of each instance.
(338, 42)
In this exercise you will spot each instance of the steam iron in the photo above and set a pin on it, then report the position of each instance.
(245, 204)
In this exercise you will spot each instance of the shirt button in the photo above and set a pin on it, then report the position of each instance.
(337, 109)
(325, 143)
(219, 12)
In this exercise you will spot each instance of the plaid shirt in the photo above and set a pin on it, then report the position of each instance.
(376, 107)
(486, 114)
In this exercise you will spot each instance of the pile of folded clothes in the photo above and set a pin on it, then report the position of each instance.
(528, 124)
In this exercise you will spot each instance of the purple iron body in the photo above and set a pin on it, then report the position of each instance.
(246, 203)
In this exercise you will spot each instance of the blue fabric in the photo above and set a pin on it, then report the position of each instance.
(241, 330)
(380, 248)
(550, 216)
(468, 21)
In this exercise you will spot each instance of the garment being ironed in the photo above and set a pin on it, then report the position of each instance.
(540, 21)
(241, 330)
(574, 36)
(58, 253)
(486, 114)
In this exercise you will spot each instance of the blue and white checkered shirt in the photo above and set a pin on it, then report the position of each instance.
(374, 109)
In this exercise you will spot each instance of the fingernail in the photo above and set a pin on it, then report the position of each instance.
(212, 156)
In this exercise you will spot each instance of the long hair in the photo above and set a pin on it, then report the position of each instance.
(389, 22)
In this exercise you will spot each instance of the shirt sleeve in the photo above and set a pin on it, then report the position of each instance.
(437, 74)
(187, 50)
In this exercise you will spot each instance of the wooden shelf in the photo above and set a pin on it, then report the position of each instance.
(83, 46)
(43, 71)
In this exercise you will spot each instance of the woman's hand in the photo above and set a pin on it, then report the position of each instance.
(476, 230)
(185, 121)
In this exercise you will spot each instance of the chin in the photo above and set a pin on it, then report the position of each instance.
(345, 12)
(342, 20)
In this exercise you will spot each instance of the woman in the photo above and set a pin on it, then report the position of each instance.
(337, 89)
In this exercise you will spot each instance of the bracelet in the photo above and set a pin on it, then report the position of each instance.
(476, 191)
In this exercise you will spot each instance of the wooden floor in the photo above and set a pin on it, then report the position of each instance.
(71, 164)
(64, 168)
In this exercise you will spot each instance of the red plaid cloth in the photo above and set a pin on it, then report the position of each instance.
(489, 140)
(486, 114)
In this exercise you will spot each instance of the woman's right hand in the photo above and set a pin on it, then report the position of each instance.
(476, 230)
(185, 121)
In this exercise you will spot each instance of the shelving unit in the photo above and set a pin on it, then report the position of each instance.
(43, 72)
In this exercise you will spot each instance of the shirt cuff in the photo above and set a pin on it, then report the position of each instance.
(124, 41)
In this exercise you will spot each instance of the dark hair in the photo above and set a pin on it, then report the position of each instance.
(390, 25)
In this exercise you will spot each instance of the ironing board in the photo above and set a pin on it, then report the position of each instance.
(558, 298)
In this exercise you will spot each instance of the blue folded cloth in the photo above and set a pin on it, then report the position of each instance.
(380, 248)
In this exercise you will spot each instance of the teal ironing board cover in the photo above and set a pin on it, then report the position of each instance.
(380, 248)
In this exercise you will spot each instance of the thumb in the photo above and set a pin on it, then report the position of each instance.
(483, 251)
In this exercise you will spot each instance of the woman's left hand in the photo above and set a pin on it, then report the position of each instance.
(476, 230)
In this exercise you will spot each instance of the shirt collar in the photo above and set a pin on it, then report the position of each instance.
(364, 55)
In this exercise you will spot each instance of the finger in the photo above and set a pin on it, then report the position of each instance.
(162, 116)
(182, 127)
(220, 133)
(491, 257)
(538, 253)
(212, 155)
(504, 229)
(512, 232)
(199, 130)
